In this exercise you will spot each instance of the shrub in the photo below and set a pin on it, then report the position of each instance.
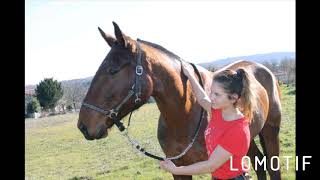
(69, 107)
(33, 106)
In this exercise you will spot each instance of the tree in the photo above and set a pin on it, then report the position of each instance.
(212, 68)
(61, 105)
(69, 107)
(267, 64)
(74, 93)
(27, 100)
(272, 65)
(289, 67)
(49, 92)
(33, 106)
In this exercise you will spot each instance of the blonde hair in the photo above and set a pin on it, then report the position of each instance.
(239, 82)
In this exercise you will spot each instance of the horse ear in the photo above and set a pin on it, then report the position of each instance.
(110, 40)
(119, 35)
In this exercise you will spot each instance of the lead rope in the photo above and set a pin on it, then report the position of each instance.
(199, 124)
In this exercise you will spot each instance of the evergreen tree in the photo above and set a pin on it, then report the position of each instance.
(49, 92)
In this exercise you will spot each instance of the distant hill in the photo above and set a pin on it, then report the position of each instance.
(83, 81)
(260, 58)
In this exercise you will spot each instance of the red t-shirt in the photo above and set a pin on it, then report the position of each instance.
(233, 136)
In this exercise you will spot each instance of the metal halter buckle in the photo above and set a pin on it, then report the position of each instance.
(113, 114)
(139, 70)
(137, 100)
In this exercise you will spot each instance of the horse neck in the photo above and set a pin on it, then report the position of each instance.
(173, 99)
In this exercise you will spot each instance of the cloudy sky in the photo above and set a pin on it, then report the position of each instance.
(62, 40)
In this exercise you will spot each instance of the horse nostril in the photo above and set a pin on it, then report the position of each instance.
(83, 128)
(80, 125)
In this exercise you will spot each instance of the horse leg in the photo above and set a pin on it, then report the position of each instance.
(179, 177)
(252, 153)
(270, 143)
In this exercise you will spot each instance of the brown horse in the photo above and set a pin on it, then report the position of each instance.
(163, 79)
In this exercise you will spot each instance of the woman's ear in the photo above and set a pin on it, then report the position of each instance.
(234, 98)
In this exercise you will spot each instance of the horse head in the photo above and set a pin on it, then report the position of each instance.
(119, 86)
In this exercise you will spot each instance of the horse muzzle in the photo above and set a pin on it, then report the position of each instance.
(100, 133)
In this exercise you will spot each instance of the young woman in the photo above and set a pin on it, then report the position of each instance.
(231, 105)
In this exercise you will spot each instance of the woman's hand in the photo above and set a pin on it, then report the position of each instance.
(168, 166)
(187, 69)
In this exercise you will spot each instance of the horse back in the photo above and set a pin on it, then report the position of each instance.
(266, 87)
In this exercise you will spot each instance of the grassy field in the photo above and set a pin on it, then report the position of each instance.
(55, 148)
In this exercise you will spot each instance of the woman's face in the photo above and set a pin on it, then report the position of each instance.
(219, 98)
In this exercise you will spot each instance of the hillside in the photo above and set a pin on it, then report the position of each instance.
(83, 81)
(260, 58)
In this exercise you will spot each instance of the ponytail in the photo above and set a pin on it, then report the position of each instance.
(247, 97)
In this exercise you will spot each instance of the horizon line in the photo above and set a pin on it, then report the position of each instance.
(202, 62)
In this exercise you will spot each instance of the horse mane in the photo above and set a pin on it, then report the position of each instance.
(164, 50)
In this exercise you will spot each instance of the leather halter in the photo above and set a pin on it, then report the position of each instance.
(136, 89)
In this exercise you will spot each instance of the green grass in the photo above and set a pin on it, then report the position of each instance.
(287, 133)
(55, 148)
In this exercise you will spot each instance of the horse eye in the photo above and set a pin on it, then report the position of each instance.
(113, 71)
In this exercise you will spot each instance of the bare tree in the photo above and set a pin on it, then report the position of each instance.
(268, 65)
(62, 104)
(272, 65)
(212, 68)
(289, 67)
(74, 93)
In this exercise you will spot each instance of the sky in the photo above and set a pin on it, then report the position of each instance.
(62, 40)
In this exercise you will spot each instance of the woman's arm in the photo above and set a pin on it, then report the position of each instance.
(217, 158)
(201, 96)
